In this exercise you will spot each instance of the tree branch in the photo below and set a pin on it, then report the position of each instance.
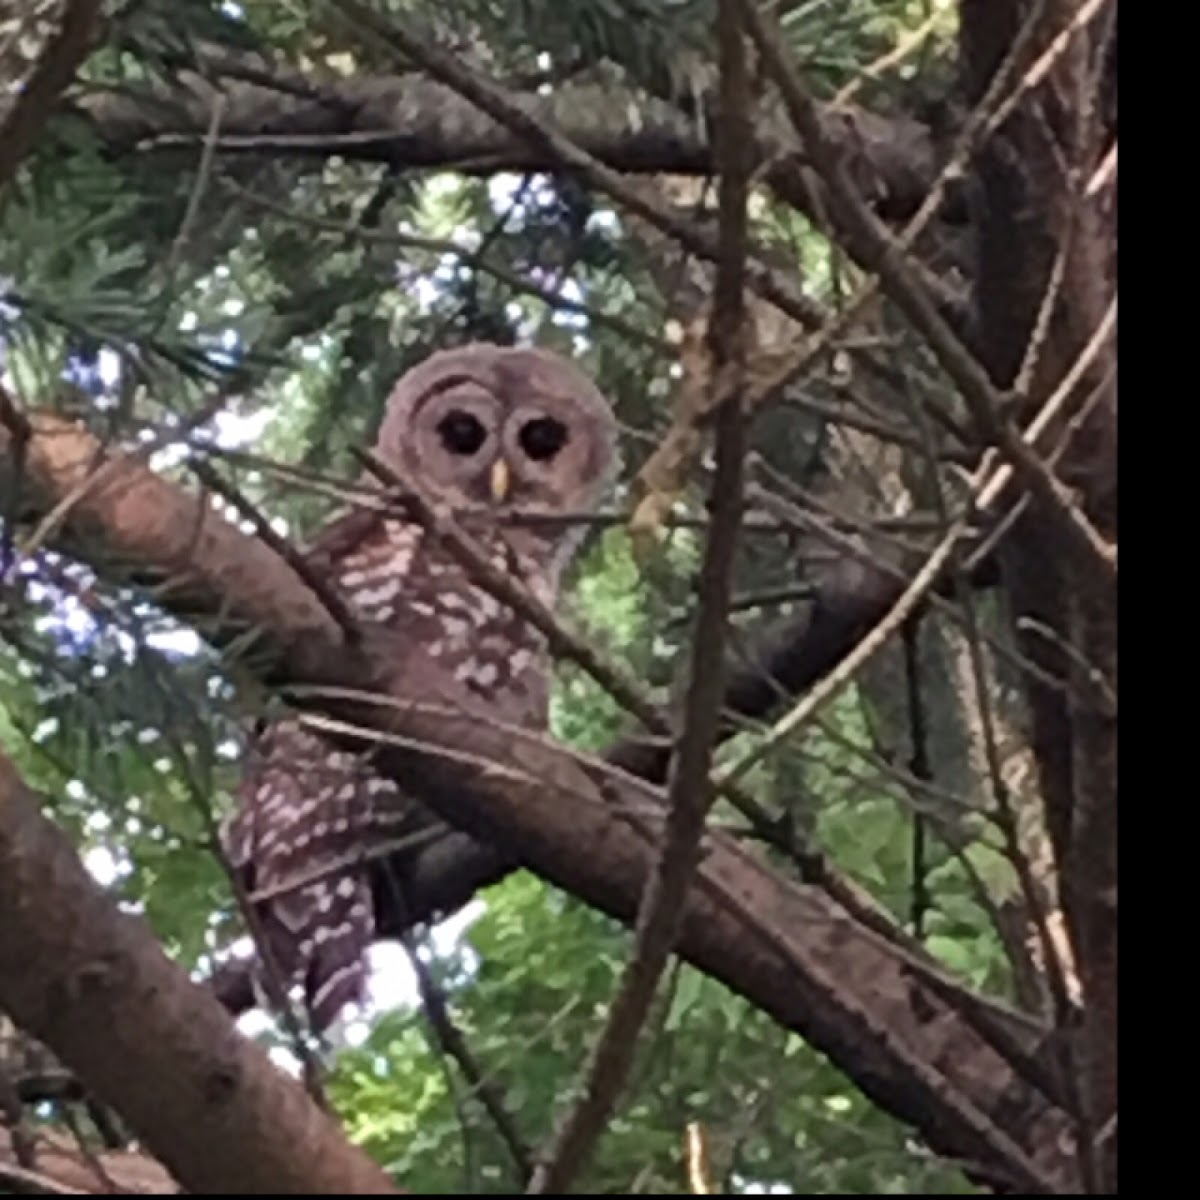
(94, 986)
(987, 405)
(1046, 208)
(689, 792)
(415, 122)
(790, 949)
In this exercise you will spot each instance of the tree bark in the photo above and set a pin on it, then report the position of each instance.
(414, 122)
(1045, 220)
(93, 985)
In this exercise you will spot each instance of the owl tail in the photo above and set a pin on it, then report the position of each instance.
(317, 937)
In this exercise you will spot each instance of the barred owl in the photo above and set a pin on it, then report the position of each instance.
(497, 435)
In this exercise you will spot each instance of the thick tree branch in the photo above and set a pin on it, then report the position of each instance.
(790, 949)
(412, 121)
(94, 986)
(848, 601)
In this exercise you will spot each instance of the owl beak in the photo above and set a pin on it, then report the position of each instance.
(501, 480)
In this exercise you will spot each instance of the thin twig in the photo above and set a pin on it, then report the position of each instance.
(200, 793)
(1004, 815)
(1038, 70)
(1103, 697)
(475, 258)
(909, 42)
(453, 1043)
(904, 607)
(320, 587)
(18, 1181)
(203, 173)
(699, 1171)
(358, 857)
(390, 504)
(840, 415)
(920, 768)
(689, 791)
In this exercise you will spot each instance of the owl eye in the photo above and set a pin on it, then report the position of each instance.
(461, 433)
(542, 438)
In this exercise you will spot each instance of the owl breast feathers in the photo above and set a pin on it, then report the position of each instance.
(514, 442)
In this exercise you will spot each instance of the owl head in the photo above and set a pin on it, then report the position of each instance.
(498, 429)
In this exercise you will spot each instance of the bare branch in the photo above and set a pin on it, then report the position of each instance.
(415, 122)
(94, 985)
(988, 406)
(689, 792)
(452, 1042)
(329, 596)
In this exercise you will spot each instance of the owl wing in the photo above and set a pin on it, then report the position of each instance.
(311, 820)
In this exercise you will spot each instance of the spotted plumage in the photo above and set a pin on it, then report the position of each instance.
(496, 435)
